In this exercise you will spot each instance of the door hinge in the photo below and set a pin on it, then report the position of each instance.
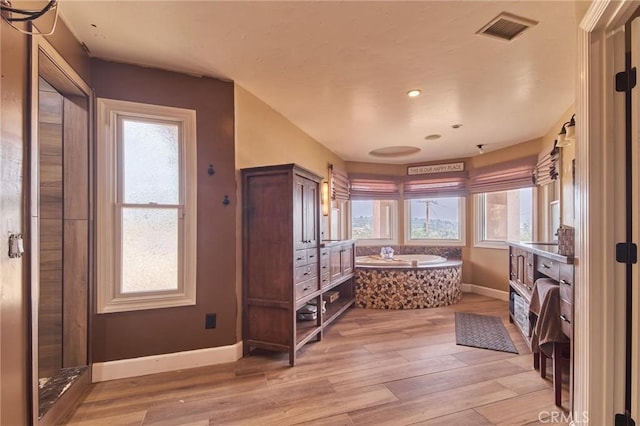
(624, 420)
(626, 253)
(626, 80)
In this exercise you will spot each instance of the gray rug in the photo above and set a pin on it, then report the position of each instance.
(483, 331)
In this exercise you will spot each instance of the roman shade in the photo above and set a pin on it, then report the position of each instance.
(374, 187)
(441, 185)
(505, 176)
(339, 183)
(546, 170)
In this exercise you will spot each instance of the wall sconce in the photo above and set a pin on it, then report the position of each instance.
(480, 148)
(567, 133)
(324, 198)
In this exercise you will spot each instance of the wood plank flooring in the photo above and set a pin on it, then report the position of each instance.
(372, 367)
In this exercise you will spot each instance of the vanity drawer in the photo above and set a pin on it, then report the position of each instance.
(312, 255)
(566, 318)
(306, 287)
(548, 267)
(300, 257)
(303, 273)
(325, 279)
(566, 291)
(566, 273)
(324, 267)
(324, 254)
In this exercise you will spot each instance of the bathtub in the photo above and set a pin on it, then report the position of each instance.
(400, 260)
(410, 281)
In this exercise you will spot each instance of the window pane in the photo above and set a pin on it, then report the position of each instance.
(526, 214)
(496, 216)
(435, 218)
(371, 219)
(151, 162)
(508, 215)
(149, 250)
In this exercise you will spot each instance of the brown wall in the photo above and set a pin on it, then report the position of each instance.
(14, 361)
(15, 364)
(160, 331)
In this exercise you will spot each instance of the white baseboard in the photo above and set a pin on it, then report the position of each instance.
(133, 367)
(486, 291)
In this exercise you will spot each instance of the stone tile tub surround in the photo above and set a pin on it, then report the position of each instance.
(410, 288)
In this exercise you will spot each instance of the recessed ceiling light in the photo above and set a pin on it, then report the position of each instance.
(433, 137)
(394, 151)
(414, 93)
(456, 126)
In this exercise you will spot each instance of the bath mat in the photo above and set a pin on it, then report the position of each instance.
(483, 331)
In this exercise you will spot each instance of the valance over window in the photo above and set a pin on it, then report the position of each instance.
(506, 176)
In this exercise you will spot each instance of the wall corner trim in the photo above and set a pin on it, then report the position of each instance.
(486, 291)
(133, 367)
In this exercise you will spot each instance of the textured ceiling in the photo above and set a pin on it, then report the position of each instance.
(340, 70)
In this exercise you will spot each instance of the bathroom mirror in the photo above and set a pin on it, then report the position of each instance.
(60, 229)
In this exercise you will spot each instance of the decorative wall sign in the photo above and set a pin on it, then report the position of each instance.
(435, 168)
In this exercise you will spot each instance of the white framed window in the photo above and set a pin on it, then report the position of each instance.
(435, 221)
(374, 222)
(146, 206)
(338, 220)
(504, 216)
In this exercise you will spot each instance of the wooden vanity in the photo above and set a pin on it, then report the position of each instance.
(527, 263)
(285, 265)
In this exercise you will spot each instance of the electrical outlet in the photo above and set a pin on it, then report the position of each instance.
(210, 321)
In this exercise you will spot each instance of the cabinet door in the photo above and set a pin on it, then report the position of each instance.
(347, 259)
(335, 262)
(529, 268)
(513, 263)
(310, 215)
(298, 213)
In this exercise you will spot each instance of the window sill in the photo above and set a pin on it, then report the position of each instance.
(145, 303)
(497, 245)
(380, 243)
(436, 243)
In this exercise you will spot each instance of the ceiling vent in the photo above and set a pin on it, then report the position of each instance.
(506, 27)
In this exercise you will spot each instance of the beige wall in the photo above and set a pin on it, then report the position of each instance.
(488, 267)
(568, 154)
(264, 137)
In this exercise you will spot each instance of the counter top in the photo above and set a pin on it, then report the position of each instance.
(549, 250)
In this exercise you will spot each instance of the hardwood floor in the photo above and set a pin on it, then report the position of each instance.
(372, 367)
